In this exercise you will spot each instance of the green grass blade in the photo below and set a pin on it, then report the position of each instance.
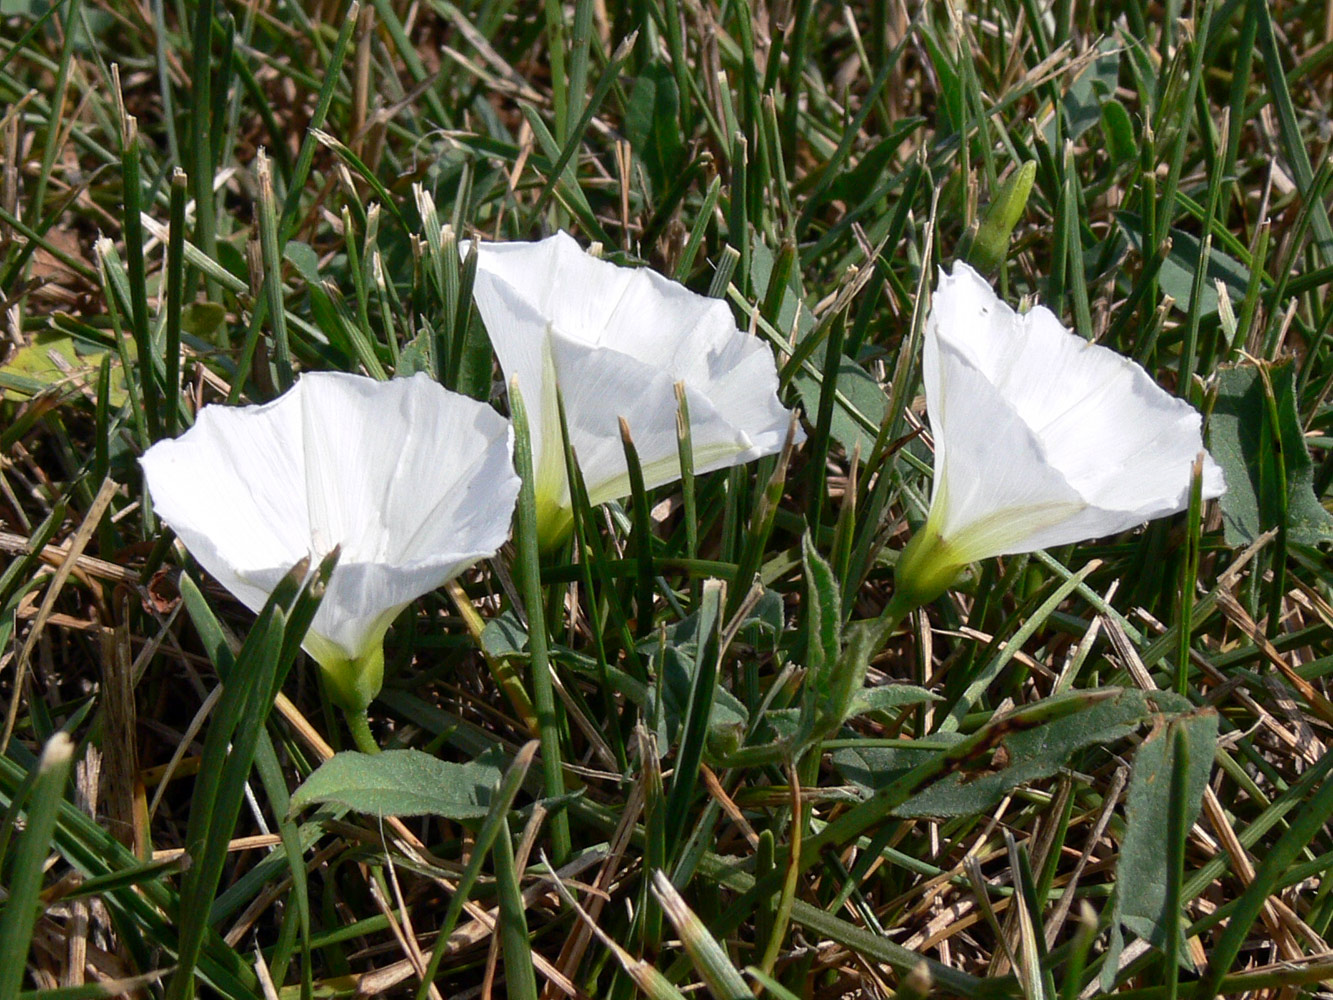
(23, 902)
(1306, 824)
(643, 534)
(202, 161)
(695, 728)
(529, 573)
(494, 826)
(138, 281)
(228, 754)
(175, 289)
(520, 978)
(271, 256)
(331, 71)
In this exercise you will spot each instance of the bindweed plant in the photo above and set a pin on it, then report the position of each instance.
(808, 499)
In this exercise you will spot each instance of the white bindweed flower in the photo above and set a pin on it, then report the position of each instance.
(413, 482)
(1041, 438)
(617, 340)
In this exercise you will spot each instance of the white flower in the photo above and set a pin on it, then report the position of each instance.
(1041, 438)
(617, 340)
(414, 482)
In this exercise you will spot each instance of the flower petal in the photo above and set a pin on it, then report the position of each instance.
(233, 489)
(519, 334)
(993, 490)
(1114, 432)
(394, 470)
(415, 482)
(601, 386)
(564, 285)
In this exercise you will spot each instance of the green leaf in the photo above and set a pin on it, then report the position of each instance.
(38, 361)
(727, 716)
(304, 259)
(414, 357)
(504, 635)
(1176, 276)
(889, 697)
(1141, 891)
(825, 614)
(765, 621)
(1083, 101)
(861, 391)
(855, 184)
(870, 768)
(50, 359)
(97, 22)
(1018, 756)
(1118, 127)
(30, 9)
(835, 671)
(474, 368)
(202, 319)
(950, 109)
(403, 783)
(762, 262)
(1268, 468)
(652, 123)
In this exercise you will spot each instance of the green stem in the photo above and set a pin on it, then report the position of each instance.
(359, 726)
(900, 605)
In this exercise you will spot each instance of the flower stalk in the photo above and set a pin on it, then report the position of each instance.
(358, 724)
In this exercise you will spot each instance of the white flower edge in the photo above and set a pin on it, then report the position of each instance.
(616, 340)
(1042, 438)
(414, 482)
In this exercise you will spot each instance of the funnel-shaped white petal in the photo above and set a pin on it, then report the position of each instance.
(1042, 438)
(415, 483)
(616, 340)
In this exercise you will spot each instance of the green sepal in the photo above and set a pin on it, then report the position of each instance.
(353, 683)
(927, 568)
